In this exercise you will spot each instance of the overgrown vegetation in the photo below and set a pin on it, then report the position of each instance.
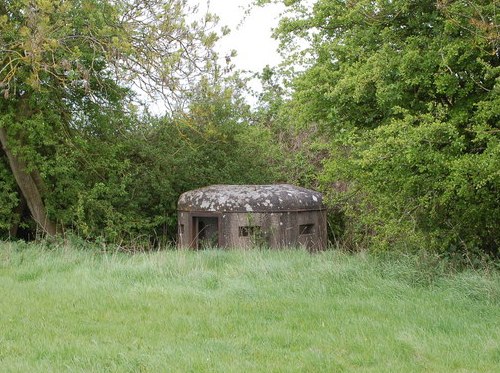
(391, 108)
(407, 94)
(68, 309)
(80, 155)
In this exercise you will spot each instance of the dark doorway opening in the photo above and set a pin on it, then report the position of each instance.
(205, 232)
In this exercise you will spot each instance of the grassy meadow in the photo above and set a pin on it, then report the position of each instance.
(64, 309)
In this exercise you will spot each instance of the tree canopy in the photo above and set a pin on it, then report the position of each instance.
(68, 70)
(391, 107)
(409, 94)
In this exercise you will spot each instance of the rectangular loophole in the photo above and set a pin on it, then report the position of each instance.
(205, 232)
(306, 229)
(181, 229)
(250, 230)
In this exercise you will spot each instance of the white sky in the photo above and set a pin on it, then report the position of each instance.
(252, 39)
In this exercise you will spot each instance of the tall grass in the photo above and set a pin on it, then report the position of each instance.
(64, 309)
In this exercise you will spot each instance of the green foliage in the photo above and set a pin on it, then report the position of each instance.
(299, 149)
(8, 199)
(84, 50)
(408, 93)
(103, 170)
(123, 186)
(395, 113)
(414, 182)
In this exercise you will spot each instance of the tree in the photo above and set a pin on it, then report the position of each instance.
(408, 92)
(67, 68)
(143, 171)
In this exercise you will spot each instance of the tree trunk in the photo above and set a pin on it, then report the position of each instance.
(29, 187)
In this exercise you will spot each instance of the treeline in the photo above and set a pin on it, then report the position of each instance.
(408, 95)
(120, 182)
(81, 154)
(391, 108)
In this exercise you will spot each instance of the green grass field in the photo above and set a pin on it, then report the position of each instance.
(70, 310)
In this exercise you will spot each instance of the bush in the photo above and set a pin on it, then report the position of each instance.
(414, 184)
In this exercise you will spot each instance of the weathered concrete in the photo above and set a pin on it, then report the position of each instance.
(248, 215)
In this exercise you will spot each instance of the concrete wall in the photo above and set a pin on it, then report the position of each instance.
(246, 230)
